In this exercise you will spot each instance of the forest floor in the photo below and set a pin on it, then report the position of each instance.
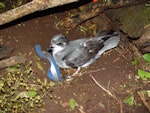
(114, 70)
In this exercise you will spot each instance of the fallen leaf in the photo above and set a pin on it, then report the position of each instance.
(31, 93)
(72, 103)
(2, 5)
(144, 75)
(26, 94)
(146, 57)
(134, 61)
(39, 66)
(129, 100)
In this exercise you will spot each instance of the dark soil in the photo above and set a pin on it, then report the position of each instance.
(113, 70)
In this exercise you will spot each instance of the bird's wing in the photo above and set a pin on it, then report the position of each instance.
(83, 53)
(105, 33)
(110, 43)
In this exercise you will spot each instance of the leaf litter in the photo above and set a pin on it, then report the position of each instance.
(21, 91)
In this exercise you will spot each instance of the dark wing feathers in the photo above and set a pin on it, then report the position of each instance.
(106, 34)
(84, 53)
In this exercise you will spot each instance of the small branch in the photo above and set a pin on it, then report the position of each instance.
(104, 89)
(109, 93)
(94, 71)
(144, 100)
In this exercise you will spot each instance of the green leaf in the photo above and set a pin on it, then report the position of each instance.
(72, 103)
(144, 75)
(26, 94)
(147, 57)
(15, 67)
(2, 5)
(39, 66)
(134, 61)
(147, 5)
(148, 93)
(82, 29)
(31, 93)
(129, 100)
(1, 111)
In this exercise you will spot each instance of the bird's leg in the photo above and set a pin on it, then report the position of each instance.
(69, 77)
(77, 71)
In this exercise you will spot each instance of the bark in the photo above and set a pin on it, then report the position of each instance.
(33, 6)
(11, 61)
(93, 10)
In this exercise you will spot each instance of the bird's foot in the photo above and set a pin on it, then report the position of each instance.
(67, 78)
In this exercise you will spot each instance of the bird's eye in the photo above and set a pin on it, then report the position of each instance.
(59, 44)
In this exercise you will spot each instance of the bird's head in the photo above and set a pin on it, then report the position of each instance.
(57, 42)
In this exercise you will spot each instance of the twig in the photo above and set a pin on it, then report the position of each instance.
(94, 71)
(144, 100)
(81, 109)
(116, 59)
(109, 93)
(104, 89)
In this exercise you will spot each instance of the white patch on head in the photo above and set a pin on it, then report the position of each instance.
(57, 48)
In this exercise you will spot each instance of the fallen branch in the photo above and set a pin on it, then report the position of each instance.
(109, 93)
(144, 100)
(73, 22)
(11, 61)
(28, 8)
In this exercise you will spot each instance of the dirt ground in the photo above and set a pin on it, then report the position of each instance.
(113, 70)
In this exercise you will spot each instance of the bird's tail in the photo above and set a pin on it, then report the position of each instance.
(104, 32)
(111, 40)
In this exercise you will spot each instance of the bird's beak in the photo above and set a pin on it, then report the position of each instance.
(50, 49)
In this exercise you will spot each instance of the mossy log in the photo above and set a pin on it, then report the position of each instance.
(28, 8)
